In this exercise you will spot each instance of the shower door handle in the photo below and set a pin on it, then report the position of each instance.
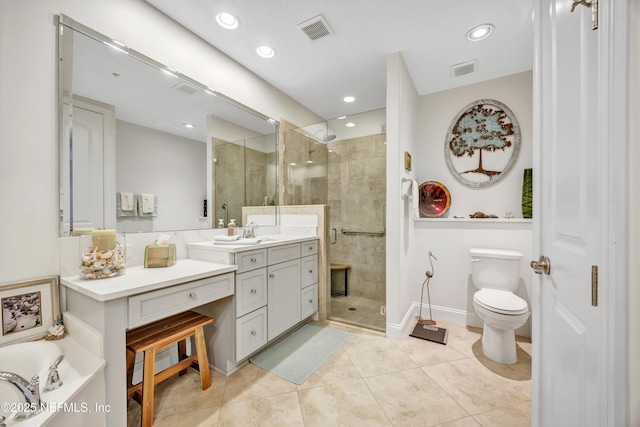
(334, 236)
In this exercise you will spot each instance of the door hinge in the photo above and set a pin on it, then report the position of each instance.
(594, 285)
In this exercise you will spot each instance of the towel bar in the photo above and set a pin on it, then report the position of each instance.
(372, 233)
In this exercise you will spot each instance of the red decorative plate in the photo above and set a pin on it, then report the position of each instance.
(434, 199)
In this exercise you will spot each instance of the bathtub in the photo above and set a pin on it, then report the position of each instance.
(80, 399)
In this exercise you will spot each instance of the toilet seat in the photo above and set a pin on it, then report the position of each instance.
(503, 302)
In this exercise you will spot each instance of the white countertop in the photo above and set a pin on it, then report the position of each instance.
(138, 279)
(265, 242)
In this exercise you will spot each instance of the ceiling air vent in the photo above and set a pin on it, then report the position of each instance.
(316, 28)
(464, 68)
(185, 88)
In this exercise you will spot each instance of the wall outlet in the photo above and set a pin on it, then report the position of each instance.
(383, 310)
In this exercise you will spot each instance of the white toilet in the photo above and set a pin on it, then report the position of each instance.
(496, 274)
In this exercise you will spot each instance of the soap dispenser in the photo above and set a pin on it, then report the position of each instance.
(231, 227)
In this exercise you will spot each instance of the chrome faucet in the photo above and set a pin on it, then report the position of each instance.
(53, 378)
(30, 391)
(249, 230)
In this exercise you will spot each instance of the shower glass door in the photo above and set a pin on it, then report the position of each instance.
(342, 163)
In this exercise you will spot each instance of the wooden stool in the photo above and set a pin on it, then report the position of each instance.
(148, 339)
(345, 268)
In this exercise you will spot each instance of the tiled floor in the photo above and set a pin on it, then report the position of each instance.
(358, 311)
(370, 381)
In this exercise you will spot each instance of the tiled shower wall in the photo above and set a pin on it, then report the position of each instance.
(235, 165)
(306, 183)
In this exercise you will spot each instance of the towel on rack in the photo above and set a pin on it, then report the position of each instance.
(126, 205)
(126, 201)
(147, 204)
(415, 200)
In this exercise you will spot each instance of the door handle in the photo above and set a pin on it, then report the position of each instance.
(542, 266)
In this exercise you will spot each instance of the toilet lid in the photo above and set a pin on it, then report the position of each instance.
(500, 301)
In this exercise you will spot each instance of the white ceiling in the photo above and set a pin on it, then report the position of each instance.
(430, 34)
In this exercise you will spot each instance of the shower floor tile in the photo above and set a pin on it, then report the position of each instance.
(358, 311)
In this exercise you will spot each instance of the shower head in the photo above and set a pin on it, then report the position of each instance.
(328, 138)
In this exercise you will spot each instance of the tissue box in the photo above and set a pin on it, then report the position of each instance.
(159, 255)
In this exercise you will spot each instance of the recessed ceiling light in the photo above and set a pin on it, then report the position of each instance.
(227, 20)
(480, 32)
(350, 125)
(342, 117)
(266, 52)
(309, 161)
(292, 164)
(189, 125)
(349, 99)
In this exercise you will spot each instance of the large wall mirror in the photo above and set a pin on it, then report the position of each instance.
(145, 148)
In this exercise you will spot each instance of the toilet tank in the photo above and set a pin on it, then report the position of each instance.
(495, 269)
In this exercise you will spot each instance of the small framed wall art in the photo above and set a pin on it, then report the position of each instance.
(29, 309)
(407, 161)
(483, 143)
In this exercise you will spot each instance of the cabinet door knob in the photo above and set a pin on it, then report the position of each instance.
(272, 275)
(310, 248)
(253, 291)
(310, 271)
(253, 333)
(253, 260)
(193, 295)
(310, 301)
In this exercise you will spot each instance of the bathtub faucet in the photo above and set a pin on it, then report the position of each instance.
(29, 390)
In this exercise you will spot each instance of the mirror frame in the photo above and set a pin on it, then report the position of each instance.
(65, 58)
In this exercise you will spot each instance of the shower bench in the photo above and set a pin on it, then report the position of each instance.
(345, 268)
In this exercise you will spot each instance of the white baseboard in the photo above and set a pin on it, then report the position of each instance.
(445, 314)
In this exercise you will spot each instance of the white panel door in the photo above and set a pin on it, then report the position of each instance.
(570, 330)
(87, 166)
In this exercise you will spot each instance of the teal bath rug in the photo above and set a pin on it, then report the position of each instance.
(300, 354)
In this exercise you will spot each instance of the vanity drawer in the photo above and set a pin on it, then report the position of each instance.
(251, 291)
(309, 248)
(251, 260)
(155, 305)
(309, 271)
(284, 253)
(308, 301)
(251, 333)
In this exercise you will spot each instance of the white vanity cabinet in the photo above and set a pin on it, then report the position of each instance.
(278, 292)
(283, 309)
(309, 279)
(250, 302)
(276, 288)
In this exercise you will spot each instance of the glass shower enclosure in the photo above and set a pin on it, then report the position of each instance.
(342, 163)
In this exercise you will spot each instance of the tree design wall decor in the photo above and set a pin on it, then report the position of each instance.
(482, 143)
